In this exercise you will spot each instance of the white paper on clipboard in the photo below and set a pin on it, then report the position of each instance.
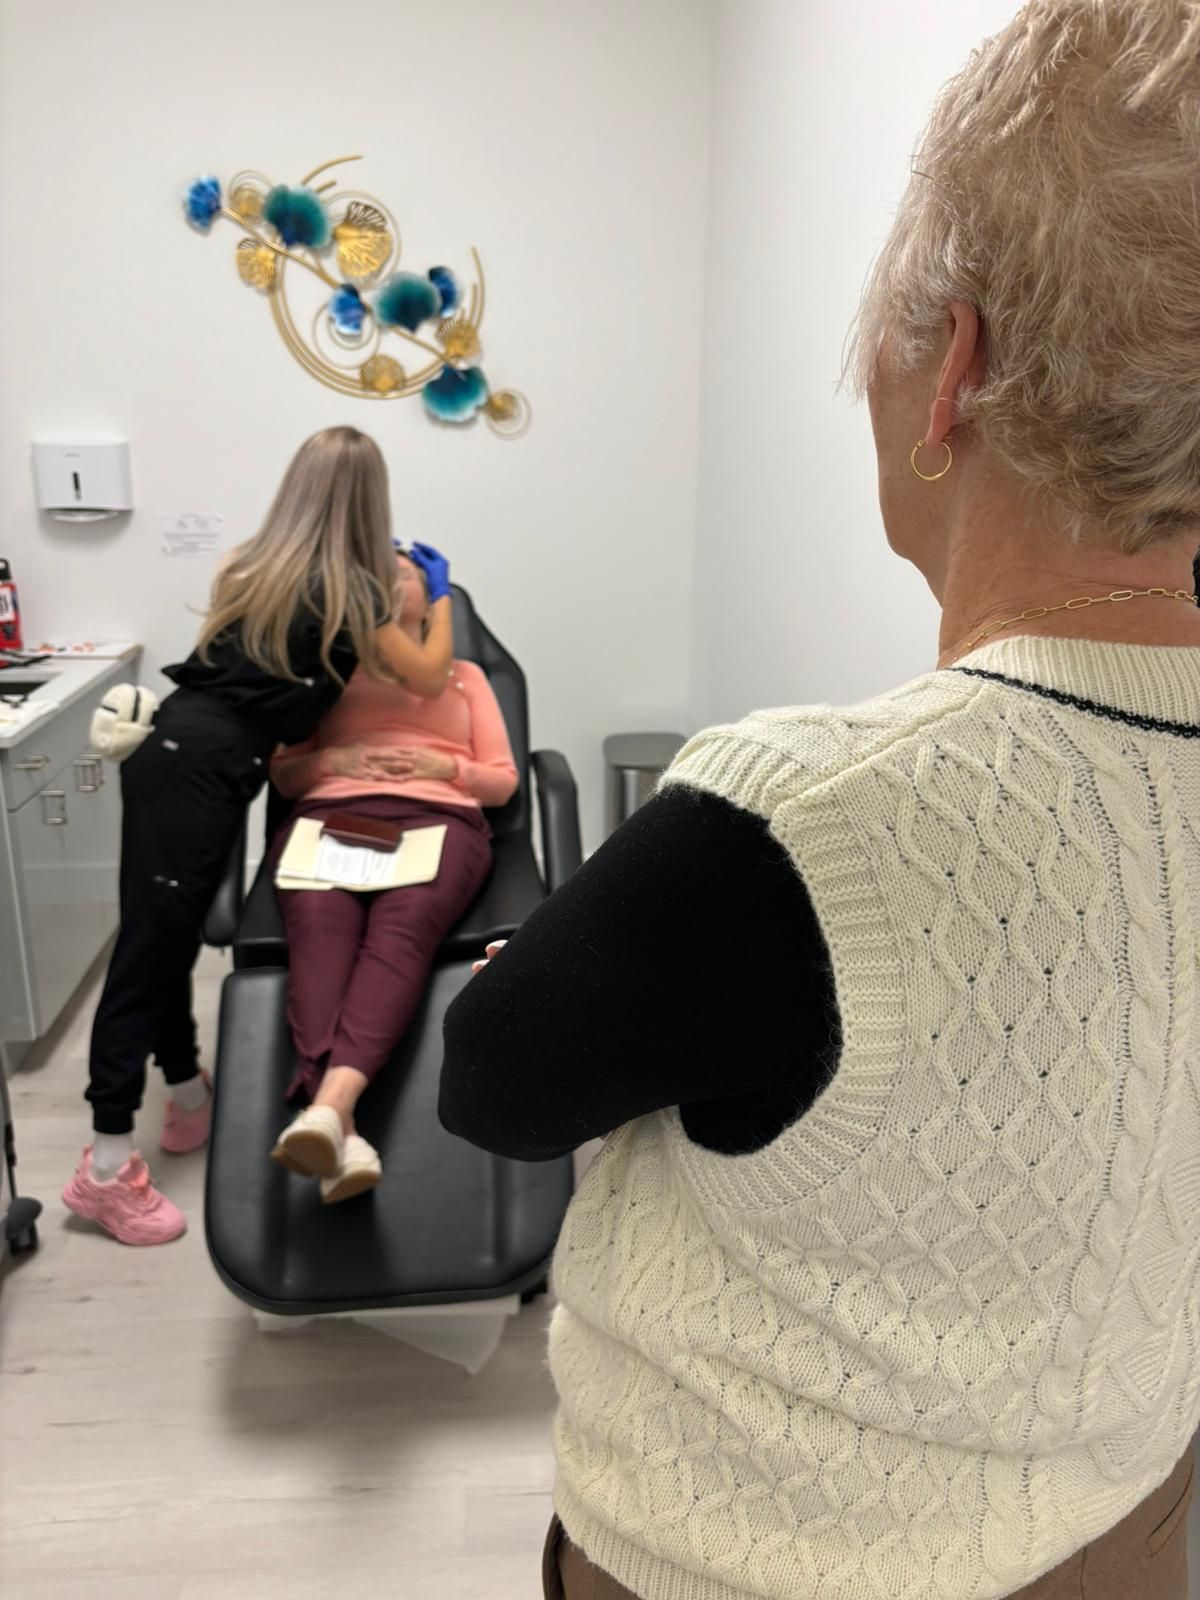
(313, 860)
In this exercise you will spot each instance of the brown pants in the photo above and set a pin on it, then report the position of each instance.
(1143, 1558)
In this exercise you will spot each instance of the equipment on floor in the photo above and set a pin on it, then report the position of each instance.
(449, 1223)
(20, 1213)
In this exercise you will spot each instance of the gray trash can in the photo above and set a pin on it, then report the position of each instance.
(633, 763)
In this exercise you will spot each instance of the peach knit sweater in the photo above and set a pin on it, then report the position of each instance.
(465, 722)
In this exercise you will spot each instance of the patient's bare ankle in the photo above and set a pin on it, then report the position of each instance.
(340, 1090)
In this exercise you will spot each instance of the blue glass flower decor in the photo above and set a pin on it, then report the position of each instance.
(298, 216)
(446, 284)
(455, 396)
(346, 311)
(349, 243)
(406, 301)
(201, 202)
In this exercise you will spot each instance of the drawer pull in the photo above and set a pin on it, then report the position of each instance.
(61, 820)
(88, 774)
(34, 765)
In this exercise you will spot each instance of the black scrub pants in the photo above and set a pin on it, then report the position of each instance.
(185, 793)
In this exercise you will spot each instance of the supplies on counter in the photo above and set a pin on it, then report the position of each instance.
(98, 649)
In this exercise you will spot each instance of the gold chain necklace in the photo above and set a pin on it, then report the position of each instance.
(1080, 604)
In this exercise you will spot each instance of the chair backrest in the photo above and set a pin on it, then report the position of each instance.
(474, 641)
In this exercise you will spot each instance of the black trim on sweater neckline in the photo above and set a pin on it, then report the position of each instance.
(1131, 719)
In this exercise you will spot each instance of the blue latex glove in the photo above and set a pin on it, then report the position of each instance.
(435, 567)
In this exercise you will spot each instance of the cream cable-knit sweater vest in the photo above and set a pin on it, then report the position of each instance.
(944, 1330)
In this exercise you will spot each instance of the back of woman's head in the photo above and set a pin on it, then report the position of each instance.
(324, 549)
(1057, 189)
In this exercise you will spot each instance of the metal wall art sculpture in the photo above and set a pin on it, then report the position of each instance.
(349, 241)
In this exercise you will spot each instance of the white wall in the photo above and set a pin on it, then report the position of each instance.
(566, 138)
(816, 109)
(677, 322)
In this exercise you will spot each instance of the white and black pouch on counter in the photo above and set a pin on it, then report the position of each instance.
(122, 720)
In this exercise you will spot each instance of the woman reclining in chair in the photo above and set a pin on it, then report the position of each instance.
(359, 962)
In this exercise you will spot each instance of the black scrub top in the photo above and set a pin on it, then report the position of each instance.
(288, 711)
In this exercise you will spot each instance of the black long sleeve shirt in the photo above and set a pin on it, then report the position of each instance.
(682, 965)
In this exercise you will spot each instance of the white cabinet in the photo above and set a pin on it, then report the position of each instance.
(68, 846)
(60, 832)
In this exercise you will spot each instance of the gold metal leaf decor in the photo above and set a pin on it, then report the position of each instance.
(247, 201)
(507, 412)
(363, 241)
(502, 406)
(460, 340)
(326, 259)
(382, 374)
(256, 264)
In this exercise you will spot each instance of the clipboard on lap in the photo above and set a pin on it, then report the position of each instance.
(315, 860)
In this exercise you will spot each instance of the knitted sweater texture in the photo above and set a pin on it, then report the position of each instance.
(944, 1330)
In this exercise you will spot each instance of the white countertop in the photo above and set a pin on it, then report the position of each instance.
(67, 679)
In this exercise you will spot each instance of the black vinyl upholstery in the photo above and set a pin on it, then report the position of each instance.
(449, 1222)
(475, 642)
(221, 923)
(558, 812)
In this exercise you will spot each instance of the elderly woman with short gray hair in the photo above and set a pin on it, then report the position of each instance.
(887, 1280)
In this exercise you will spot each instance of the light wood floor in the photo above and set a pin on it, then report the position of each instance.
(154, 1445)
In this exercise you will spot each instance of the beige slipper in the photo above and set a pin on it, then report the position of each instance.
(361, 1170)
(313, 1145)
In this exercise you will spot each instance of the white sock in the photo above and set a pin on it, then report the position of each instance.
(191, 1094)
(110, 1152)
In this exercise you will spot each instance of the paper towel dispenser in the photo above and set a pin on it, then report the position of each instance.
(83, 482)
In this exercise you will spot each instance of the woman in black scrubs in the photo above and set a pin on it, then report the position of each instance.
(294, 612)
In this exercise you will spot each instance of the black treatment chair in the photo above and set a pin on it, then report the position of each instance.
(449, 1222)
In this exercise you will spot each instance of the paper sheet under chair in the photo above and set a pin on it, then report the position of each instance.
(314, 860)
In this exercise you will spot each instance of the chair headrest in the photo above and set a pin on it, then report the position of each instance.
(468, 636)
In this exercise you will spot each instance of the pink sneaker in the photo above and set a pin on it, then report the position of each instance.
(186, 1130)
(129, 1206)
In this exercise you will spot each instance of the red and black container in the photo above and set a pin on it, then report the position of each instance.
(10, 610)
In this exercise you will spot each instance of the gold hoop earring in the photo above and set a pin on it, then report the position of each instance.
(931, 477)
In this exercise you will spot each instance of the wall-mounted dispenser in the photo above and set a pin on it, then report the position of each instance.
(83, 482)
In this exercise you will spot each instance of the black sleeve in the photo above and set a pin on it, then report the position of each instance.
(683, 964)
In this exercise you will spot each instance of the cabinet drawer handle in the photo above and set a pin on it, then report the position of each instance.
(88, 774)
(61, 820)
(36, 765)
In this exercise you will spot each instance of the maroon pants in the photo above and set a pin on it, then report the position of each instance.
(359, 962)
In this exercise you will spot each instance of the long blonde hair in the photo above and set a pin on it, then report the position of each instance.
(325, 548)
